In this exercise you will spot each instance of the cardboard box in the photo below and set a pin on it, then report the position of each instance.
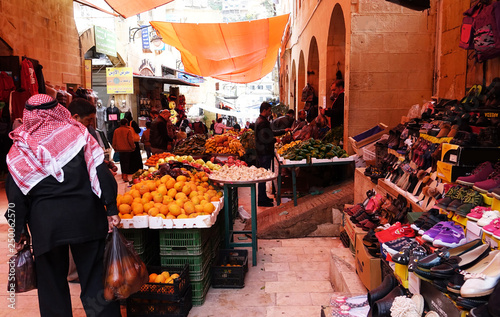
(450, 152)
(473, 231)
(413, 283)
(449, 172)
(468, 156)
(353, 231)
(489, 239)
(438, 302)
(367, 267)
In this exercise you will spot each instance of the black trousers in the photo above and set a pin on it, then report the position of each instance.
(54, 297)
(265, 162)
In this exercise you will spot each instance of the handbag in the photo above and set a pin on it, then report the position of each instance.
(24, 277)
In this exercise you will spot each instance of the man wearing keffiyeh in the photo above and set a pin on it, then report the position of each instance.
(63, 193)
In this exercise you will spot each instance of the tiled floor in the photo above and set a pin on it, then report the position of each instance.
(291, 279)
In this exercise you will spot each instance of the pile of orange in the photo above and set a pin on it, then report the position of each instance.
(153, 159)
(182, 197)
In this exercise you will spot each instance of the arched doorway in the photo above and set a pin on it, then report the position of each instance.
(293, 88)
(313, 65)
(301, 80)
(335, 58)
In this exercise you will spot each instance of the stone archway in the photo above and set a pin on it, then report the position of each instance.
(301, 80)
(313, 65)
(293, 88)
(336, 56)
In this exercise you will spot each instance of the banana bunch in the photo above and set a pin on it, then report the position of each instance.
(285, 147)
(236, 147)
(210, 146)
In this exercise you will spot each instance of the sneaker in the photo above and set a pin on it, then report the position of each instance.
(496, 234)
(395, 246)
(492, 182)
(477, 212)
(493, 226)
(431, 222)
(448, 197)
(451, 236)
(395, 231)
(480, 173)
(459, 199)
(471, 200)
(488, 217)
(430, 234)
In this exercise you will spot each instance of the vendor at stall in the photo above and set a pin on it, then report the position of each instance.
(264, 145)
(284, 122)
(300, 122)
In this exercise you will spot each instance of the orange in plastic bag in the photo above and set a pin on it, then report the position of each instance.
(25, 276)
(124, 271)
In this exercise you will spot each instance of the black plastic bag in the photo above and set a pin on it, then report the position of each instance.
(25, 275)
(124, 271)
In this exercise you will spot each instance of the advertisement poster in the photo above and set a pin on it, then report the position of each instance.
(119, 80)
(105, 41)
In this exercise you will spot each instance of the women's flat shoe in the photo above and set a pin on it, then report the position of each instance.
(482, 284)
(460, 262)
(443, 254)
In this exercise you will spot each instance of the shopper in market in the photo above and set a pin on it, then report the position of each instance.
(220, 128)
(285, 121)
(123, 143)
(66, 197)
(336, 111)
(300, 122)
(145, 139)
(264, 146)
(162, 133)
(136, 156)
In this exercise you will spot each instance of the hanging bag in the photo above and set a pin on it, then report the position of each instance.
(467, 31)
(25, 275)
(124, 271)
(487, 32)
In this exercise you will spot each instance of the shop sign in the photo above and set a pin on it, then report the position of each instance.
(119, 80)
(145, 37)
(88, 74)
(105, 41)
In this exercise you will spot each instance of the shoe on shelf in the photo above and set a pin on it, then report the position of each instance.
(468, 303)
(450, 237)
(459, 199)
(460, 262)
(480, 173)
(482, 284)
(480, 311)
(488, 216)
(388, 284)
(397, 245)
(457, 280)
(448, 197)
(471, 200)
(395, 231)
(492, 182)
(430, 234)
(431, 222)
(493, 226)
(382, 307)
(477, 212)
(443, 254)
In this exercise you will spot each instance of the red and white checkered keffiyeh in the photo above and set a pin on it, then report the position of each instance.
(46, 141)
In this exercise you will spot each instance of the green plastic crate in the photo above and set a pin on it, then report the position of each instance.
(184, 241)
(200, 290)
(138, 237)
(199, 265)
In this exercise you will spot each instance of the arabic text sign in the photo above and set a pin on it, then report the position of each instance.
(119, 80)
(105, 41)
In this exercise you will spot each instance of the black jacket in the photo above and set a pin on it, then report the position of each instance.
(336, 112)
(160, 136)
(264, 136)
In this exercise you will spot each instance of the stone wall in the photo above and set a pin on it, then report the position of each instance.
(45, 31)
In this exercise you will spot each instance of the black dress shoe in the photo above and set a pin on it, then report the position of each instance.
(382, 290)
(460, 262)
(443, 254)
(480, 311)
(382, 307)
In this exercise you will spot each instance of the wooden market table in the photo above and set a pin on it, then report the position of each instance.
(229, 217)
(293, 164)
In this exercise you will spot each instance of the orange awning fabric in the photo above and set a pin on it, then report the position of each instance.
(238, 52)
(128, 8)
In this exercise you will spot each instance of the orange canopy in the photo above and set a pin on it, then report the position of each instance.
(239, 52)
(128, 8)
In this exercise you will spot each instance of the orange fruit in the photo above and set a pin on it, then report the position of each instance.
(204, 179)
(124, 209)
(164, 209)
(135, 193)
(137, 208)
(214, 198)
(178, 186)
(148, 196)
(189, 207)
(198, 208)
(170, 183)
(158, 205)
(194, 215)
(125, 216)
(195, 200)
(220, 194)
(208, 208)
(143, 188)
(158, 183)
(181, 178)
(180, 203)
(162, 189)
(180, 196)
(118, 199)
(172, 192)
(193, 193)
(165, 178)
(152, 277)
(203, 202)
(174, 210)
(127, 199)
(144, 200)
(161, 216)
(186, 189)
(170, 216)
(160, 279)
(148, 206)
(153, 212)
(137, 200)
(182, 216)
(167, 199)
(158, 198)
(151, 185)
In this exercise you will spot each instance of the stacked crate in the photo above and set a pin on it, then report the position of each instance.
(145, 243)
(195, 247)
